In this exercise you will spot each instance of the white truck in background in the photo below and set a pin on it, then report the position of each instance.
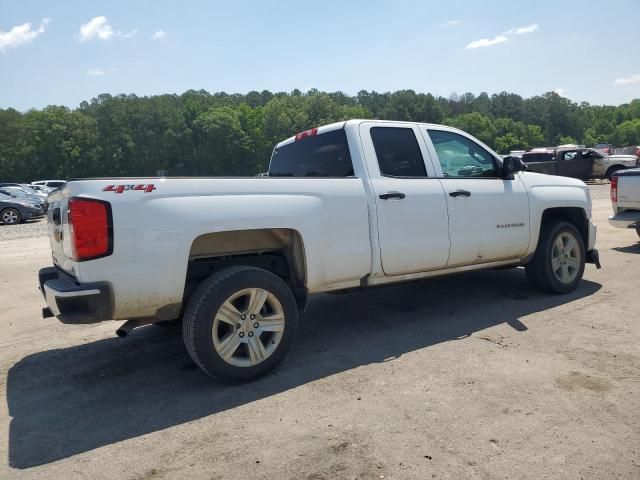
(625, 199)
(351, 205)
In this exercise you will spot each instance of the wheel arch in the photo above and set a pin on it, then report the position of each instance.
(614, 168)
(577, 216)
(278, 250)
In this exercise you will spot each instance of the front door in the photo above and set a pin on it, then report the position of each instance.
(488, 215)
(413, 228)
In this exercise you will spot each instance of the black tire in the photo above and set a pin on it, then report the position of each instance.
(540, 272)
(10, 216)
(202, 309)
(612, 170)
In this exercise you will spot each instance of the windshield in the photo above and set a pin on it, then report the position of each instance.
(325, 155)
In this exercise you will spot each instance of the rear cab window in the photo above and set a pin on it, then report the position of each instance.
(322, 155)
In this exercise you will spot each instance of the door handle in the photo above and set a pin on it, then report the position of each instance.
(460, 193)
(390, 195)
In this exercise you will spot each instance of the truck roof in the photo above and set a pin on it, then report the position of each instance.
(343, 124)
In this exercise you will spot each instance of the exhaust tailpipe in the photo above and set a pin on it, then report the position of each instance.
(126, 327)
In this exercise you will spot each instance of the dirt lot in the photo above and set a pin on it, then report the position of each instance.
(472, 376)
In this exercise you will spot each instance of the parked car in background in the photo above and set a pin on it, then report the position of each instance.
(39, 188)
(21, 192)
(582, 163)
(41, 192)
(50, 183)
(625, 199)
(14, 210)
(350, 205)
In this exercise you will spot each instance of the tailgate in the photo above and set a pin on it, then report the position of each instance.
(629, 189)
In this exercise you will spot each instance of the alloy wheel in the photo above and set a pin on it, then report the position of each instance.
(248, 327)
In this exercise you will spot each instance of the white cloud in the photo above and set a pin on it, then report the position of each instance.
(97, 27)
(628, 80)
(451, 23)
(522, 30)
(21, 34)
(95, 72)
(159, 35)
(486, 42)
(561, 91)
(132, 33)
(528, 29)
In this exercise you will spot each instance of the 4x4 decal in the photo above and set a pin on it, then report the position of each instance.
(146, 188)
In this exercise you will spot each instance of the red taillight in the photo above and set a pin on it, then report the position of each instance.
(614, 188)
(91, 228)
(307, 133)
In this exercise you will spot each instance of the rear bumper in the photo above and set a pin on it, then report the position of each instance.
(625, 220)
(72, 302)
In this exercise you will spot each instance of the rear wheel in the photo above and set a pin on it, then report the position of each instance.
(10, 216)
(240, 323)
(558, 263)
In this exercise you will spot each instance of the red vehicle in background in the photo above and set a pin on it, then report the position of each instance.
(605, 148)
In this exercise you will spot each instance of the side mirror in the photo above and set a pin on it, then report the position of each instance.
(511, 165)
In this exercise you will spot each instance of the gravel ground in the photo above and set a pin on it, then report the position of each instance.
(28, 229)
(468, 376)
(599, 189)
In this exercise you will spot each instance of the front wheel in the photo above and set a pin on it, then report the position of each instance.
(240, 323)
(558, 263)
(10, 216)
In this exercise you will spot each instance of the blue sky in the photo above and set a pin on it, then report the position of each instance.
(74, 50)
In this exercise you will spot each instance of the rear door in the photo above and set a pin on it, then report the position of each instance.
(572, 163)
(540, 162)
(488, 215)
(413, 229)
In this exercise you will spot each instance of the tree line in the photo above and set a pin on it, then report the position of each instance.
(199, 133)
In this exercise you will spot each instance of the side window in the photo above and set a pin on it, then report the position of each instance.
(460, 157)
(569, 155)
(590, 154)
(398, 152)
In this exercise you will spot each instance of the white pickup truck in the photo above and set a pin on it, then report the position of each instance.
(625, 199)
(351, 205)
